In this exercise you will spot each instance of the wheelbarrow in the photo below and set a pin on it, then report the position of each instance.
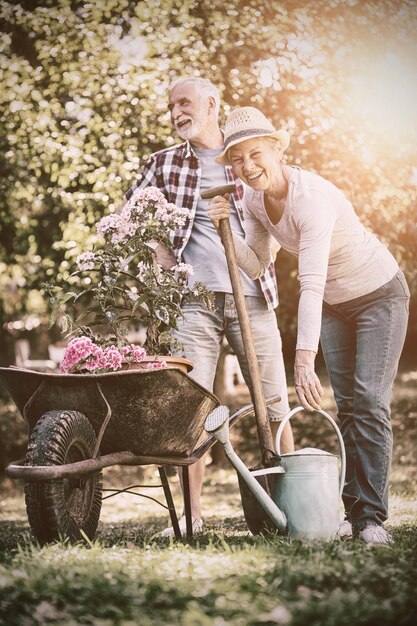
(81, 423)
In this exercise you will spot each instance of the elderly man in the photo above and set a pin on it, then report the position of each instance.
(182, 172)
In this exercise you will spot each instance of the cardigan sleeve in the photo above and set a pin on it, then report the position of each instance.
(256, 252)
(316, 224)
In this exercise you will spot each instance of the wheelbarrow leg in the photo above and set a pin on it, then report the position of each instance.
(170, 501)
(187, 501)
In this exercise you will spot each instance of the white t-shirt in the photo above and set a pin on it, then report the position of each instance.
(338, 259)
(204, 251)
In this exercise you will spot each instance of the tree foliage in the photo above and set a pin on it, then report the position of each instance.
(83, 104)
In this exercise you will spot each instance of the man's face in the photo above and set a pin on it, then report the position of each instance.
(189, 111)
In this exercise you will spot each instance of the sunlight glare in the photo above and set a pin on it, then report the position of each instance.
(384, 97)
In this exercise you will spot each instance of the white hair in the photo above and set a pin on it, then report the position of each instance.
(203, 86)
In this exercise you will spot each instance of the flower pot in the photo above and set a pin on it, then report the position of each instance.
(172, 362)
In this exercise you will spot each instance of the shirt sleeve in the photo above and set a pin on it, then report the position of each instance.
(146, 179)
(316, 225)
(254, 254)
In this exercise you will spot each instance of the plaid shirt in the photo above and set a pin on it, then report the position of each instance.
(176, 172)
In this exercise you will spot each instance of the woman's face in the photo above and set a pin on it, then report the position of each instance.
(257, 162)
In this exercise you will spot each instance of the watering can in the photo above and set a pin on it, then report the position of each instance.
(309, 491)
(305, 485)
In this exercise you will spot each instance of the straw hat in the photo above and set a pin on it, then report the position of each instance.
(246, 123)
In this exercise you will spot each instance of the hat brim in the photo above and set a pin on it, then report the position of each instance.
(281, 135)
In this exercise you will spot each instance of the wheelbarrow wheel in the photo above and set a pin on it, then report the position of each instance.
(69, 507)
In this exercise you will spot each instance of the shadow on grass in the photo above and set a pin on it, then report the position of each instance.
(14, 535)
(230, 533)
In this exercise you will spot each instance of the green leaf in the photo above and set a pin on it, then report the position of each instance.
(162, 314)
(67, 296)
(53, 317)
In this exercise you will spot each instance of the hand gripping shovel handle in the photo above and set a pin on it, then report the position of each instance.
(262, 422)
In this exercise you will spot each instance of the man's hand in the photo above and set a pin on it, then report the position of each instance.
(219, 208)
(307, 383)
(165, 257)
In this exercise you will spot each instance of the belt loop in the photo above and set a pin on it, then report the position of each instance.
(220, 300)
(229, 306)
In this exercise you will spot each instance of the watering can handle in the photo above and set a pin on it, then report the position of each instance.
(338, 433)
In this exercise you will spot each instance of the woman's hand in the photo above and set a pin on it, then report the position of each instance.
(307, 383)
(219, 209)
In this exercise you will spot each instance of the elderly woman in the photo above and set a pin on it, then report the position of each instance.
(353, 297)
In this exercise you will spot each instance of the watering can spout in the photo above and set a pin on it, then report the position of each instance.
(217, 423)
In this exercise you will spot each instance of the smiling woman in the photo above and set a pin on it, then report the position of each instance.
(258, 165)
(353, 297)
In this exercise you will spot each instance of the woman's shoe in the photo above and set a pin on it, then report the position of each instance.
(375, 535)
(345, 530)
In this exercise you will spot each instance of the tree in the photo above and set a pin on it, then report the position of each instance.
(83, 103)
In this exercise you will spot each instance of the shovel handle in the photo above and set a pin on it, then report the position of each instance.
(222, 190)
(262, 422)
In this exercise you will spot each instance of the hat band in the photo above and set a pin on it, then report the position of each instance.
(247, 133)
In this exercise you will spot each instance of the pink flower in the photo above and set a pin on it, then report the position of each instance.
(108, 222)
(179, 215)
(112, 358)
(82, 351)
(86, 261)
(149, 200)
(171, 215)
(183, 268)
(138, 354)
(154, 365)
(134, 353)
(117, 227)
(78, 351)
(149, 194)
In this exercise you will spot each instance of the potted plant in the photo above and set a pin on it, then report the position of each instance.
(119, 284)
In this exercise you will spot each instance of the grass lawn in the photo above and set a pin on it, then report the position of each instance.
(129, 576)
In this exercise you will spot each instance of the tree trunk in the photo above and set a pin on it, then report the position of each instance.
(6, 341)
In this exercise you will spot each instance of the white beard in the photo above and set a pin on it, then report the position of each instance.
(190, 132)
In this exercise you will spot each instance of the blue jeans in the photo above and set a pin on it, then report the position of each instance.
(200, 333)
(362, 340)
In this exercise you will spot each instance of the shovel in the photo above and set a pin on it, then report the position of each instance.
(256, 517)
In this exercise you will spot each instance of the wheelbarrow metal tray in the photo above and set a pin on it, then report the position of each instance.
(153, 412)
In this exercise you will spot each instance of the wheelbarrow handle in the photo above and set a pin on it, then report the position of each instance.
(262, 422)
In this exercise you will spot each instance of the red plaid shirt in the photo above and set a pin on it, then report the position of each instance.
(176, 172)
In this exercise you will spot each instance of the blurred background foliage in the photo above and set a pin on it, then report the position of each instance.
(83, 102)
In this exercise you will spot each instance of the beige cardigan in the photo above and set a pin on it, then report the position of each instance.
(338, 259)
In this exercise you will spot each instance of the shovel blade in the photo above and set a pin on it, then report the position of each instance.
(257, 520)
